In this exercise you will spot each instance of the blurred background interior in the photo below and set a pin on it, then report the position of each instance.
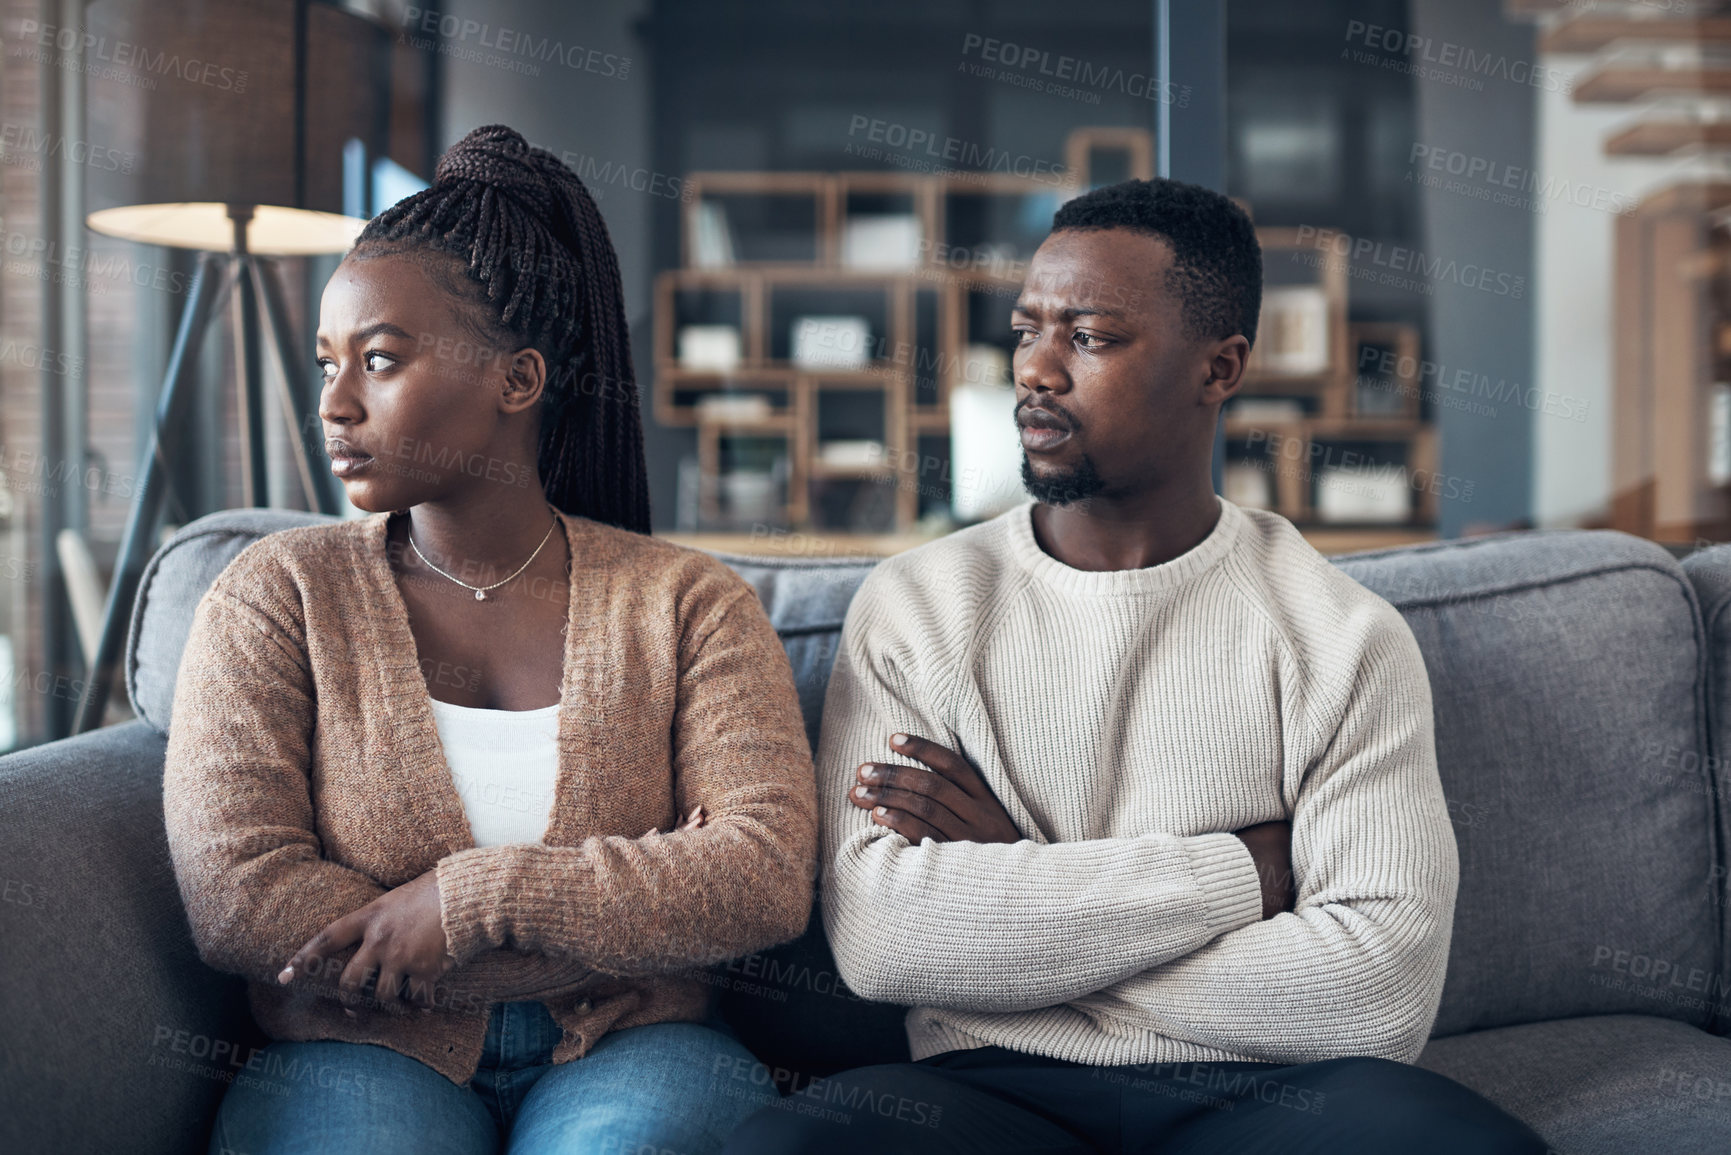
(1498, 265)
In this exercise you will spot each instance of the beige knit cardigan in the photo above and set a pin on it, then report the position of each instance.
(305, 778)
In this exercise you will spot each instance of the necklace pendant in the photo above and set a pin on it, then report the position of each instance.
(480, 595)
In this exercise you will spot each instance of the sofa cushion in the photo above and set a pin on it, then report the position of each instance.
(116, 1037)
(1606, 1085)
(169, 591)
(1557, 662)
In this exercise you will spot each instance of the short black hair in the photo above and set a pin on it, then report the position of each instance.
(1216, 260)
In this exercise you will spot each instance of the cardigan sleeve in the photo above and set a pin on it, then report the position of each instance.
(990, 926)
(236, 797)
(238, 809)
(663, 902)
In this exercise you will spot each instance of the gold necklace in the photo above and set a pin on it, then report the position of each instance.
(481, 591)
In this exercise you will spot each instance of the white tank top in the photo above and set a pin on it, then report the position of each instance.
(504, 764)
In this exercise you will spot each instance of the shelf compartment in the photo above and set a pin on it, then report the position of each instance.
(768, 218)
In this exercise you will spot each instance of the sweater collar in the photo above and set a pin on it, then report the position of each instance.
(417, 753)
(1166, 576)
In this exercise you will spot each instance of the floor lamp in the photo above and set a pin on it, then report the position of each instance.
(258, 178)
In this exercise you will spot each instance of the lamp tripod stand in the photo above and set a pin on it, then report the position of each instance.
(253, 284)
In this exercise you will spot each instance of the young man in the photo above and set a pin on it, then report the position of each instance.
(1129, 793)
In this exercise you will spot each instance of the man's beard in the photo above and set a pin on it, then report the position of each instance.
(1077, 483)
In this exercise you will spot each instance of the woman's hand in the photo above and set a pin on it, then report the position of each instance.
(402, 942)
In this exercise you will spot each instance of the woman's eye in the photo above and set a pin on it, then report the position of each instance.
(328, 368)
(379, 362)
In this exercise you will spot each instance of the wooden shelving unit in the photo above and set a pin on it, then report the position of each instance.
(923, 320)
(1334, 412)
(923, 316)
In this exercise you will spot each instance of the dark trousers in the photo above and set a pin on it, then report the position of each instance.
(994, 1100)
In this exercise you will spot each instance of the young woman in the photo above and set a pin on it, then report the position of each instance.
(471, 789)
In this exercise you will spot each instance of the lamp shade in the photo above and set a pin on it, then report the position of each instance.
(220, 103)
(207, 225)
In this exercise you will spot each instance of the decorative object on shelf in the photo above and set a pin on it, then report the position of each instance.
(851, 453)
(985, 452)
(882, 242)
(1267, 410)
(1292, 335)
(1363, 493)
(738, 408)
(712, 239)
(986, 365)
(751, 496)
(831, 342)
(1247, 483)
(709, 348)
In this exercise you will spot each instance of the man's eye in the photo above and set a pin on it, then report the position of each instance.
(1090, 341)
(1021, 335)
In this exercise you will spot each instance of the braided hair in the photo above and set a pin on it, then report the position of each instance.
(537, 255)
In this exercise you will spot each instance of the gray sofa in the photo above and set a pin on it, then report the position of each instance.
(1582, 687)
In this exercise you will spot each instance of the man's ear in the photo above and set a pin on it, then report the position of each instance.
(525, 379)
(1225, 369)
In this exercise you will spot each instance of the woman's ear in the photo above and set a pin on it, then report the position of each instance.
(525, 379)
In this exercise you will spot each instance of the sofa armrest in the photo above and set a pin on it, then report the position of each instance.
(116, 1035)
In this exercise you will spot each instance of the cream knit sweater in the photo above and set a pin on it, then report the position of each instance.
(1129, 721)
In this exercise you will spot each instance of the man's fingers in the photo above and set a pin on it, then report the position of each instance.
(905, 824)
(876, 775)
(927, 809)
(942, 759)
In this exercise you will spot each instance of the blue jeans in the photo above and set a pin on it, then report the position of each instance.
(663, 1089)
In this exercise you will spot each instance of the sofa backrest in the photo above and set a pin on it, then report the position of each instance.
(1567, 672)
(1568, 680)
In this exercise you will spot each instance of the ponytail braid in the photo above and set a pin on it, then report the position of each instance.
(532, 240)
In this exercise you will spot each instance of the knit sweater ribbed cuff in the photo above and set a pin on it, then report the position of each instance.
(476, 886)
(1225, 873)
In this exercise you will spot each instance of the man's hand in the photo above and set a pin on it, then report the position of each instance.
(1270, 846)
(402, 941)
(950, 802)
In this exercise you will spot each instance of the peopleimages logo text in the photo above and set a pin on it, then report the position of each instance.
(1400, 259)
(1445, 54)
